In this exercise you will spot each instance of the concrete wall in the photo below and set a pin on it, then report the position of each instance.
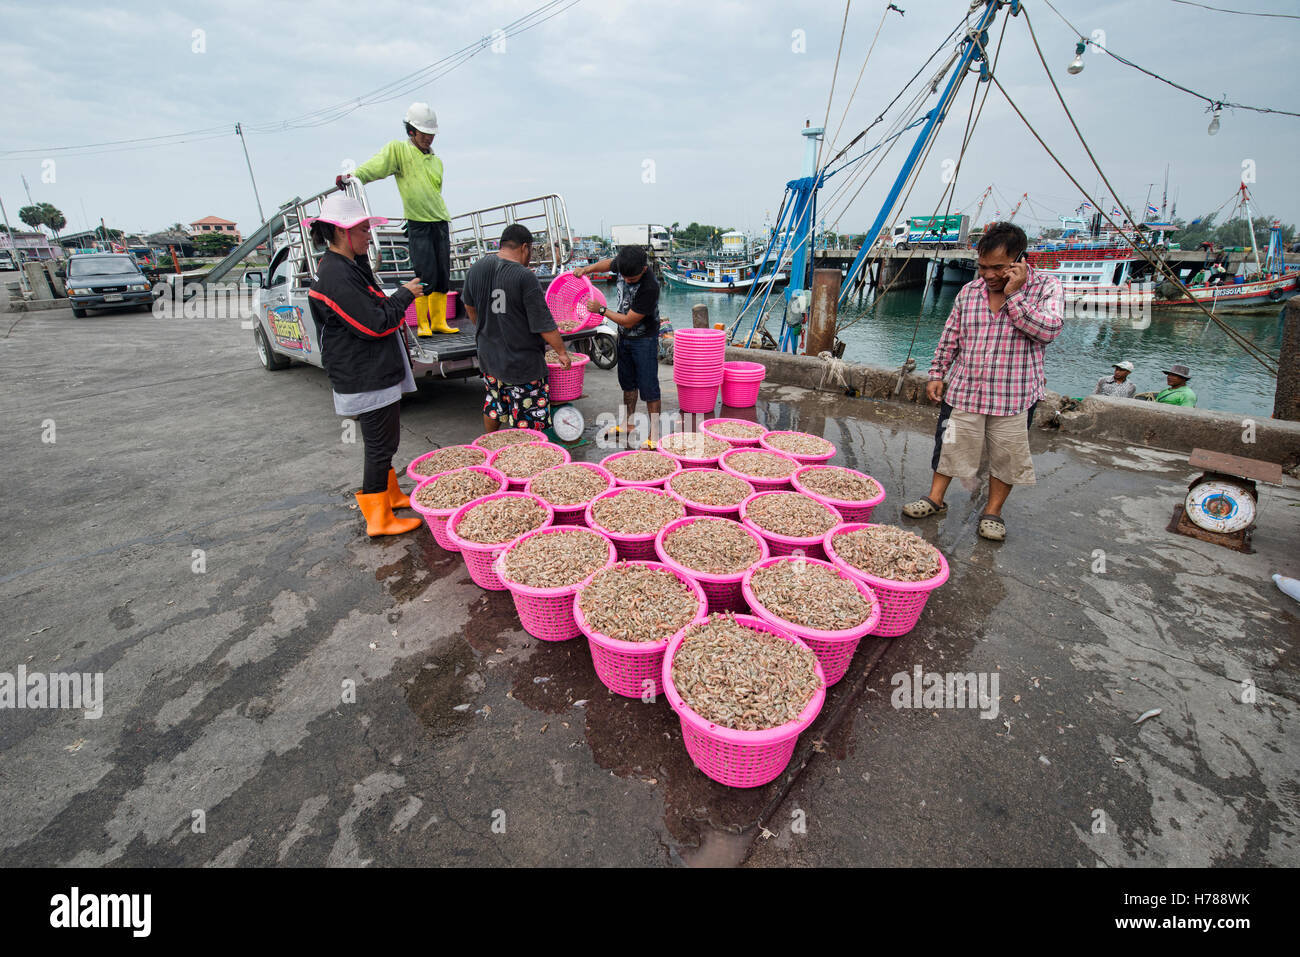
(1127, 421)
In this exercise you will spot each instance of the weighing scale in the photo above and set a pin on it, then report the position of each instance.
(1222, 503)
(567, 426)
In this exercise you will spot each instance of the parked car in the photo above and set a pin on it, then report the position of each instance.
(106, 281)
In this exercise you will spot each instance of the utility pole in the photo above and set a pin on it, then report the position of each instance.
(239, 130)
(13, 247)
(30, 201)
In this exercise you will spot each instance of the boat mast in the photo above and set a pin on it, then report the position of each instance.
(1254, 243)
(969, 51)
(1164, 196)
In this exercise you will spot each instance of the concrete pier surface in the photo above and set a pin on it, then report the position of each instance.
(181, 521)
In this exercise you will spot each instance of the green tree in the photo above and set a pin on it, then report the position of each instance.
(213, 244)
(43, 214)
(31, 215)
(54, 218)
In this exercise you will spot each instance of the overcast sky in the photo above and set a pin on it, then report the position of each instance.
(704, 98)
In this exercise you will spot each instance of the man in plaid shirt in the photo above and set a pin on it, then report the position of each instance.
(991, 353)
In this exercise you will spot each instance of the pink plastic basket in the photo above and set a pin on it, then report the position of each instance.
(630, 547)
(653, 483)
(417, 478)
(565, 385)
(739, 759)
(738, 443)
(901, 603)
(761, 484)
(696, 398)
(479, 557)
(410, 317)
(739, 395)
(631, 668)
(692, 461)
(574, 514)
(547, 613)
(567, 297)
(787, 544)
(819, 459)
(436, 518)
(723, 591)
(699, 508)
(517, 485)
(834, 649)
(744, 371)
(859, 511)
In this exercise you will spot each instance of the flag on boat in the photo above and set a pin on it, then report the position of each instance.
(1152, 209)
(1114, 210)
(1085, 205)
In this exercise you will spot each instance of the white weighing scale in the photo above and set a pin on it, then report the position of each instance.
(1221, 504)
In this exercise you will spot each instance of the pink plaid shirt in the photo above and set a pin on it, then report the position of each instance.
(994, 363)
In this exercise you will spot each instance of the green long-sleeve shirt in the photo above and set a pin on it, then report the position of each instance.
(1182, 395)
(418, 175)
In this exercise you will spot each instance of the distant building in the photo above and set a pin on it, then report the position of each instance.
(27, 246)
(215, 224)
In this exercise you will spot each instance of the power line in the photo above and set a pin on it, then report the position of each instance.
(1214, 103)
(1244, 13)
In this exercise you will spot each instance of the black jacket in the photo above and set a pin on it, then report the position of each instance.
(357, 325)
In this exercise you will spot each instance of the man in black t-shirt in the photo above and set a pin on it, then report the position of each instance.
(637, 317)
(512, 327)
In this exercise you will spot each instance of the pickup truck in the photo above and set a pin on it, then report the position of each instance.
(284, 332)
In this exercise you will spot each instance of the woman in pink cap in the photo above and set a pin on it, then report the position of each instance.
(362, 352)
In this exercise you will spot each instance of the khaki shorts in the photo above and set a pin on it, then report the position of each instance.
(1005, 436)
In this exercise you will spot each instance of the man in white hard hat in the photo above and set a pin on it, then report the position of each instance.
(1117, 384)
(418, 172)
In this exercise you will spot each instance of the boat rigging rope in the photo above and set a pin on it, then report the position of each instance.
(969, 132)
(834, 76)
(843, 116)
(1263, 358)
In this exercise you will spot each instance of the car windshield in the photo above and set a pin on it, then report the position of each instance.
(102, 266)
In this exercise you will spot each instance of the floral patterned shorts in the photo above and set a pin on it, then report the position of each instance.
(526, 406)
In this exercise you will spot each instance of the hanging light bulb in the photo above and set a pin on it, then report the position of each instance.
(1214, 122)
(1076, 65)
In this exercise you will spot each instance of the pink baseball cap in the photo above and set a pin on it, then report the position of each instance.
(345, 212)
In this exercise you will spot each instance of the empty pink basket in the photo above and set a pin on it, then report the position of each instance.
(565, 385)
(479, 558)
(547, 613)
(834, 649)
(740, 383)
(567, 298)
(851, 511)
(631, 668)
(740, 759)
(723, 591)
(697, 398)
(901, 603)
(436, 518)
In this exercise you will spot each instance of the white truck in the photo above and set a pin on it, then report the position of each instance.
(650, 235)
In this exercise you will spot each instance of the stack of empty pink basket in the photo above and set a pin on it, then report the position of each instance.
(698, 356)
(740, 382)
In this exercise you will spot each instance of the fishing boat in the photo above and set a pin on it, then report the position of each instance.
(722, 275)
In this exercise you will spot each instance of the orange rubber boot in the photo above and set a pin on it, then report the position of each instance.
(380, 519)
(395, 497)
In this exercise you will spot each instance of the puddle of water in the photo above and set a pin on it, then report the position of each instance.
(444, 682)
(423, 563)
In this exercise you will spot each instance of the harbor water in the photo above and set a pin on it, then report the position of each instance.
(1224, 377)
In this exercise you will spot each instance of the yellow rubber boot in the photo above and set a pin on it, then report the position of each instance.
(422, 316)
(438, 312)
(396, 497)
(380, 519)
